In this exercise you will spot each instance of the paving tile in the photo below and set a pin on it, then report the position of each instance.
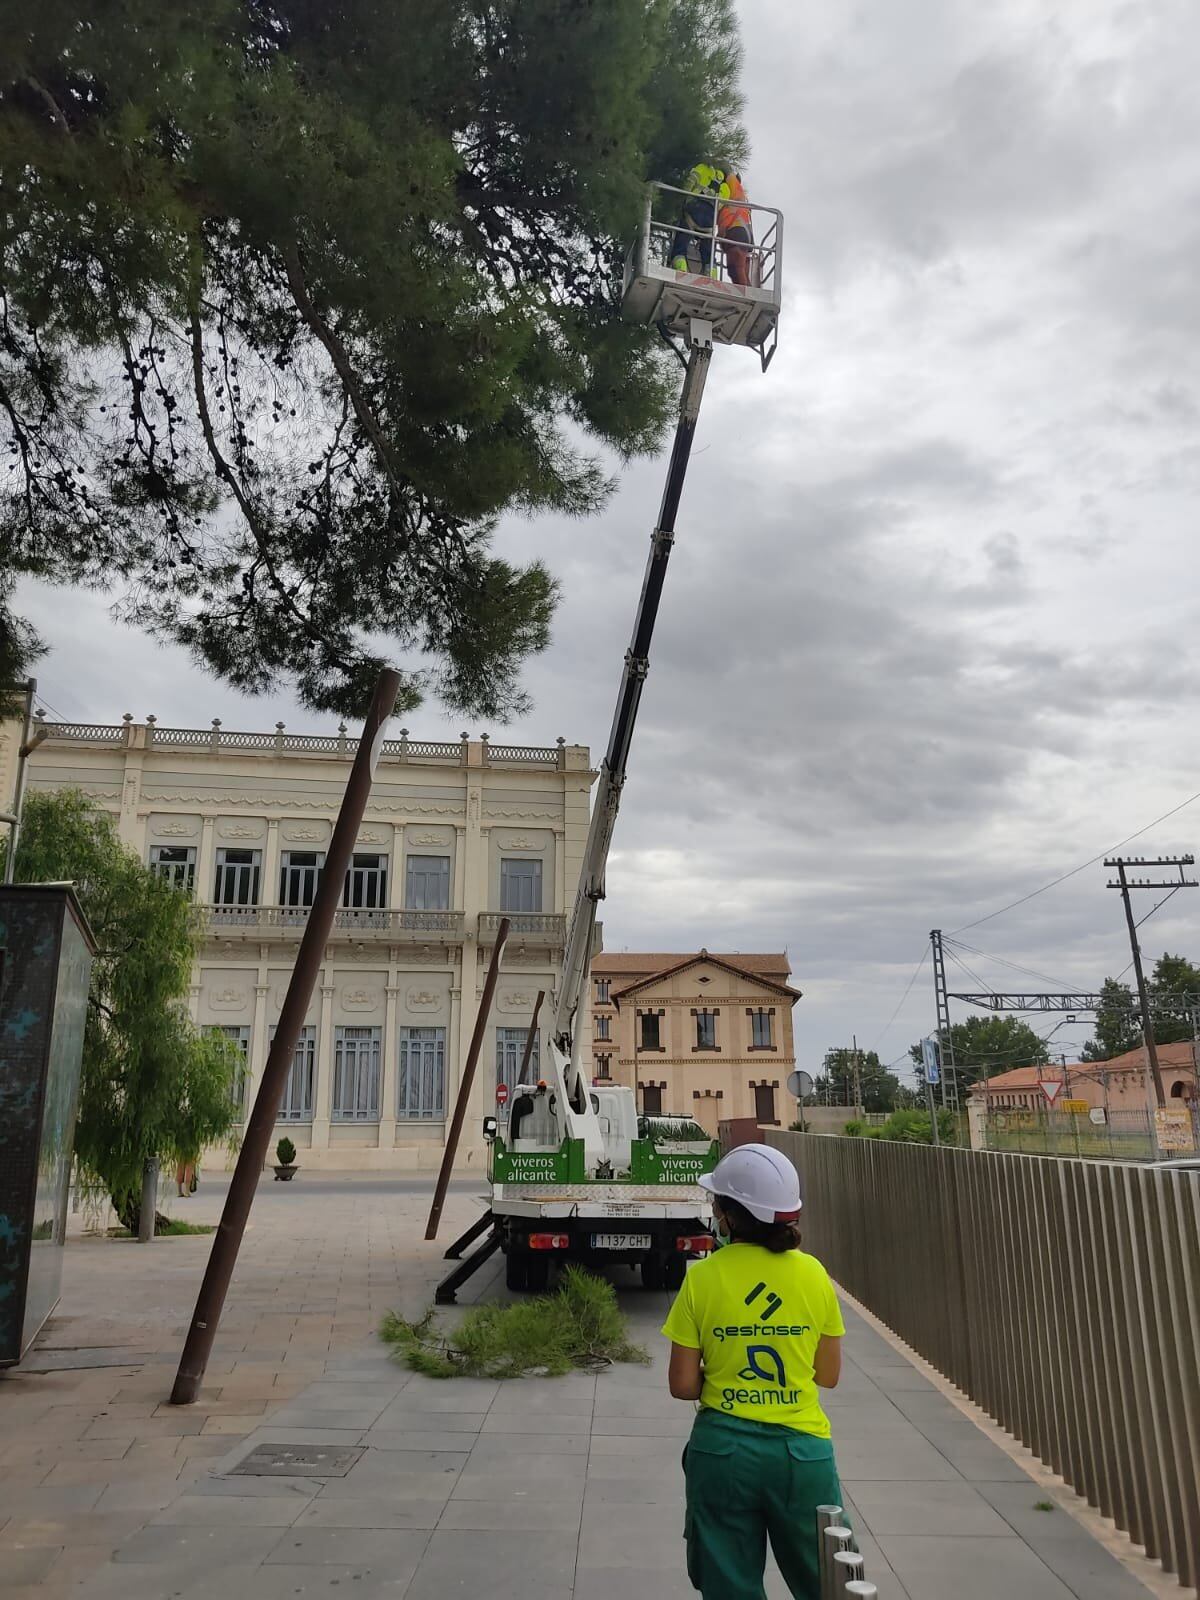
(198, 1549)
(537, 1422)
(493, 1483)
(558, 1395)
(401, 1440)
(395, 1550)
(504, 1564)
(138, 1494)
(605, 1583)
(536, 1515)
(895, 1460)
(446, 1394)
(665, 1489)
(499, 1447)
(637, 1538)
(283, 1582)
(987, 1569)
(27, 1564)
(973, 1454)
(392, 1421)
(371, 1511)
(644, 1427)
(263, 1488)
(229, 1511)
(48, 1500)
(298, 1416)
(915, 1507)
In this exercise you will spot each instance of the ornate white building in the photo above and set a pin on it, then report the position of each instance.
(455, 834)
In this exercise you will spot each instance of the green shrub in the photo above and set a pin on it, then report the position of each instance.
(285, 1152)
(579, 1325)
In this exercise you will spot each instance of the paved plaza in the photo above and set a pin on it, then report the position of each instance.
(543, 1489)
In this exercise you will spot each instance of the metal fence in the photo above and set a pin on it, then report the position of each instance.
(1113, 1135)
(1062, 1296)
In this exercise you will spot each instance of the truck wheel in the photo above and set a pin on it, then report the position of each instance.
(516, 1269)
(652, 1272)
(537, 1273)
(674, 1268)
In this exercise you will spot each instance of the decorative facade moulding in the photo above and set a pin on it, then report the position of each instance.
(438, 837)
(361, 999)
(520, 814)
(371, 836)
(175, 830)
(423, 1000)
(228, 999)
(708, 1094)
(240, 830)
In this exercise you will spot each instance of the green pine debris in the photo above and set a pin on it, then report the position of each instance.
(578, 1325)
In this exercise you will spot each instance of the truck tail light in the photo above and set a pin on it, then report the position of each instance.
(696, 1245)
(548, 1241)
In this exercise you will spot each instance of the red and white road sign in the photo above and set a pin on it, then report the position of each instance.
(501, 1094)
(1051, 1088)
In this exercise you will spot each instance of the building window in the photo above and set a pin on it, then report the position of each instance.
(520, 885)
(299, 872)
(176, 863)
(510, 1049)
(427, 883)
(764, 1102)
(297, 1102)
(421, 1086)
(650, 1037)
(706, 1030)
(237, 1089)
(604, 1067)
(652, 1100)
(237, 878)
(366, 883)
(356, 1074)
(760, 1030)
(603, 986)
(602, 1027)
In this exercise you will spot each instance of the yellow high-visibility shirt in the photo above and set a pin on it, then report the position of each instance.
(757, 1318)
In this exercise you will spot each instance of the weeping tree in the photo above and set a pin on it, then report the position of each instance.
(298, 296)
(153, 1085)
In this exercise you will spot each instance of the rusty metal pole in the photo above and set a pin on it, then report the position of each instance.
(253, 1154)
(531, 1036)
(468, 1078)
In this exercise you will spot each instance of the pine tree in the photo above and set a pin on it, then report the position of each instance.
(297, 297)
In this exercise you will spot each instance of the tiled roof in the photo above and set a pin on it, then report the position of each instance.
(636, 963)
(1175, 1056)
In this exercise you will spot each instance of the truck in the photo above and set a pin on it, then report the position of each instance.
(574, 1173)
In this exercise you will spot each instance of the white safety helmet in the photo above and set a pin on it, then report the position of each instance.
(759, 1178)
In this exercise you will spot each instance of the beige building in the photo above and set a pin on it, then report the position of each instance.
(703, 1035)
(455, 834)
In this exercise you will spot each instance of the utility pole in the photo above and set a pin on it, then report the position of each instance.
(946, 1041)
(858, 1102)
(1125, 884)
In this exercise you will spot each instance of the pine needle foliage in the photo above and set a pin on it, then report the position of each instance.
(153, 1085)
(298, 297)
(578, 1325)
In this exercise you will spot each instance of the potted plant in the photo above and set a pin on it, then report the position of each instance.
(285, 1157)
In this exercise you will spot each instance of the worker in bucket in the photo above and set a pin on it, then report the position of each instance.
(755, 1332)
(705, 185)
(733, 225)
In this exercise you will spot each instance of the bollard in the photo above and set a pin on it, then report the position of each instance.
(149, 1201)
(847, 1568)
(834, 1541)
(860, 1589)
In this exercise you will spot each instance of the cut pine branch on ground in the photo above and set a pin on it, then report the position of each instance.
(580, 1325)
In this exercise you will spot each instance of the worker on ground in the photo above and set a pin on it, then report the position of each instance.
(706, 186)
(733, 224)
(754, 1332)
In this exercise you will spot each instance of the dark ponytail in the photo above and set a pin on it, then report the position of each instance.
(745, 1228)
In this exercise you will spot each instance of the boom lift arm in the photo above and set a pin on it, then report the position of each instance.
(566, 1035)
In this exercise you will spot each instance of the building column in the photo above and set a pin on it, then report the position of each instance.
(323, 1089)
(458, 869)
(269, 888)
(453, 1057)
(390, 1051)
(206, 862)
(258, 1031)
(194, 995)
(396, 869)
(561, 904)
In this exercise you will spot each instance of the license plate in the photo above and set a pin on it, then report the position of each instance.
(620, 1241)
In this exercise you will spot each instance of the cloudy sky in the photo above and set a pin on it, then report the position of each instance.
(930, 635)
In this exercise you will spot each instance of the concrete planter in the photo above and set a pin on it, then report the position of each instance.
(286, 1174)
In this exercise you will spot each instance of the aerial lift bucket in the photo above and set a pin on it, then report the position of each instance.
(739, 313)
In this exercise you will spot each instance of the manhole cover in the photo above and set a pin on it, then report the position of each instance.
(299, 1460)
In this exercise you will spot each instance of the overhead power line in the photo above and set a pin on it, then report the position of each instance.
(903, 998)
(1074, 872)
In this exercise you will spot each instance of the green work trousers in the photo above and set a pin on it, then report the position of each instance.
(748, 1482)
